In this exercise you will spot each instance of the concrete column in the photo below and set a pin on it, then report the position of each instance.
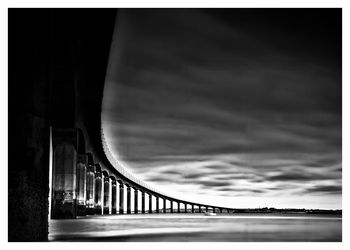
(150, 204)
(157, 204)
(143, 202)
(192, 208)
(178, 207)
(200, 208)
(128, 200)
(114, 195)
(121, 198)
(64, 196)
(220, 209)
(98, 191)
(90, 190)
(81, 184)
(185, 207)
(206, 209)
(136, 201)
(106, 192)
(164, 205)
(171, 207)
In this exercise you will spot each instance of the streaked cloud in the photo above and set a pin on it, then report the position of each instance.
(199, 103)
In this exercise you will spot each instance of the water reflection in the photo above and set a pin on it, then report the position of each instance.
(170, 227)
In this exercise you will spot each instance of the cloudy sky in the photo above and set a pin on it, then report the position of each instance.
(234, 107)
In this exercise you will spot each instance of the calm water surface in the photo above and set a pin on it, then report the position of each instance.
(198, 228)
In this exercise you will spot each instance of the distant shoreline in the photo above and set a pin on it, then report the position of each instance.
(266, 210)
(289, 211)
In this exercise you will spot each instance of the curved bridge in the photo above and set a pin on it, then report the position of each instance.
(57, 66)
(86, 177)
(83, 185)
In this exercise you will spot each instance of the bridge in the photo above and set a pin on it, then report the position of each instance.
(83, 186)
(57, 65)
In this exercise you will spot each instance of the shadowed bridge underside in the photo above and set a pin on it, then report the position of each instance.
(57, 66)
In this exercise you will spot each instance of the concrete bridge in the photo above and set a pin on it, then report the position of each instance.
(82, 185)
(57, 65)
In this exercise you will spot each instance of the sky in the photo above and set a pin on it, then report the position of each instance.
(231, 107)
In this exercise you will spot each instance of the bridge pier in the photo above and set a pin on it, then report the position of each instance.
(128, 199)
(81, 184)
(64, 174)
(114, 195)
(121, 197)
(185, 207)
(136, 201)
(178, 207)
(157, 204)
(143, 202)
(106, 192)
(171, 207)
(98, 190)
(206, 209)
(90, 189)
(199, 208)
(164, 205)
(150, 204)
(192, 209)
(220, 209)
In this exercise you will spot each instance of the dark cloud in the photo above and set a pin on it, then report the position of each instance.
(303, 176)
(211, 184)
(159, 179)
(193, 175)
(326, 189)
(227, 98)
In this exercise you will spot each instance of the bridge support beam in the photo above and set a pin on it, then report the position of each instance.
(171, 207)
(150, 204)
(136, 201)
(106, 192)
(220, 209)
(157, 205)
(64, 174)
(121, 198)
(164, 205)
(192, 208)
(143, 202)
(90, 190)
(178, 207)
(200, 209)
(98, 192)
(206, 209)
(114, 195)
(128, 200)
(81, 184)
(185, 207)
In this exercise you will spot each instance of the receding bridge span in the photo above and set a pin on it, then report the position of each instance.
(85, 186)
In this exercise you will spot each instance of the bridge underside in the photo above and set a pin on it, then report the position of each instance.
(57, 61)
(57, 64)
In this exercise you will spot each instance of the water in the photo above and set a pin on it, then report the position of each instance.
(198, 228)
